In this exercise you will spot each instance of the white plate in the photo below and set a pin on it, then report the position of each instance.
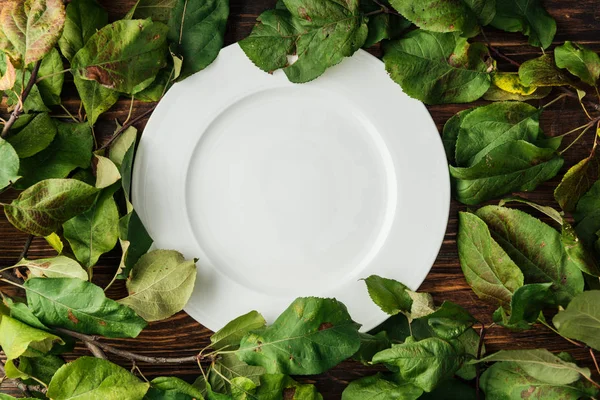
(284, 190)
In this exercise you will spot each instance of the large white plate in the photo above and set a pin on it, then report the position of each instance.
(284, 190)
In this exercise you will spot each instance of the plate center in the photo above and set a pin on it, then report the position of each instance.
(290, 191)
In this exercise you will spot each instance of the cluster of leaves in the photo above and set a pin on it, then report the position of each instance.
(76, 195)
(74, 192)
(426, 348)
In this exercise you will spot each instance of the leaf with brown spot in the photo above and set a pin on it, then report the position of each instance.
(56, 267)
(161, 284)
(7, 72)
(508, 380)
(297, 334)
(31, 28)
(521, 236)
(80, 306)
(320, 32)
(124, 56)
(72, 317)
(41, 209)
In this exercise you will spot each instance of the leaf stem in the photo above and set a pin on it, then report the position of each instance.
(563, 95)
(482, 333)
(52, 74)
(595, 361)
(127, 354)
(69, 114)
(127, 125)
(547, 325)
(576, 140)
(19, 107)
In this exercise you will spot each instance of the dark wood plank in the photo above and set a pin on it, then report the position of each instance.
(181, 335)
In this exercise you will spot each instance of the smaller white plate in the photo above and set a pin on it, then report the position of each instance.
(284, 190)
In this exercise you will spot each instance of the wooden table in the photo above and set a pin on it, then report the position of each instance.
(181, 336)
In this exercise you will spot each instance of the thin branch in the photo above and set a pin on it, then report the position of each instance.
(127, 125)
(595, 361)
(26, 247)
(19, 107)
(127, 354)
(95, 350)
(482, 333)
(497, 52)
(543, 322)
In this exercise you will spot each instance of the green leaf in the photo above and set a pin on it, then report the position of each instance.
(320, 33)
(438, 68)
(9, 164)
(581, 319)
(95, 231)
(118, 149)
(71, 148)
(587, 215)
(488, 127)
(390, 295)
(449, 321)
(450, 133)
(41, 209)
(513, 166)
(80, 306)
(95, 378)
(579, 255)
(196, 31)
(489, 271)
(311, 336)
(542, 71)
(123, 56)
(160, 284)
(577, 181)
(451, 389)
(42, 368)
(227, 367)
(507, 380)
(50, 78)
(56, 267)
(84, 18)
(424, 363)
(272, 39)
(16, 338)
(106, 171)
(172, 388)
(135, 242)
(447, 16)
(277, 386)
(34, 137)
(578, 60)
(229, 336)
(96, 98)
(384, 25)
(21, 312)
(540, 364)
(157, 10)
(375, 387)
(536, 248)
(527, 16)
(371, 345)
(31, 28)
(525, 307)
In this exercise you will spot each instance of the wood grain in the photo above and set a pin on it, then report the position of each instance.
(181, 335)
